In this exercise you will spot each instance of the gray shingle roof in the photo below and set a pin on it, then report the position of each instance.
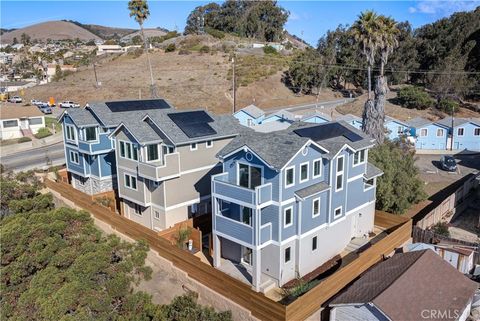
(418, 122)
(447, 121)
(372, 171)
(391, 119)
(316, 113)
(312, 190)
(277, 148)
(253, 111)
(283, 114)
(271, 126)
(80, 116)
(349, 117)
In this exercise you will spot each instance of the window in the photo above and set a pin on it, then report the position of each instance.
(209, 144)
(152, 153)
(316, 207)
(338, 212)
(74, 157)
(10, 123)
(368, 183)
(399, 130)
(249, 176)
(156, 214)
(247, 215)
(193, 146)
(90, 134)
(128, 150)
(359, 157)
(70, 133)
(289, 176)
(423, 132)
(314, 243)
(35, 121)
(303, 172)
(287, 217)
(476, 132)
(439, 132)
(287, 254)
(317, 168)
(460, 131)
(130, 181)
(339, 177)
(137, 209)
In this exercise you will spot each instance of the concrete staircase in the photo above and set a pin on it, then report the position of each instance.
(356, 243)
(26, 132)
(267, 285)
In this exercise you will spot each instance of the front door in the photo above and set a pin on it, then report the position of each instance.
(24, 123)
(247, 215)
(249, 176)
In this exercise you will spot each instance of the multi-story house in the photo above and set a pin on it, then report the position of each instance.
(160, 159)
(289, 201)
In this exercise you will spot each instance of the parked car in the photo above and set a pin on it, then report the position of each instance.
(35, 102)
(69, 104)
(15, 99)
(44, 108)
(448, 163)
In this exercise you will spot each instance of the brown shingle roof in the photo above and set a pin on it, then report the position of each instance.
(406, 284)
(11, 112)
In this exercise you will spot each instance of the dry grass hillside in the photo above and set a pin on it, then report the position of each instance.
(188, 81)
(55, 30)
(401, 113)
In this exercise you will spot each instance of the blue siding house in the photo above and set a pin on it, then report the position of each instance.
(288, 201)
(396, 129)
(466, 133)
(428, 134)
(250, 116)
(89, 155)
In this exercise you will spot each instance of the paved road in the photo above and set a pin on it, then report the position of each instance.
(324, 106)
(37, 158)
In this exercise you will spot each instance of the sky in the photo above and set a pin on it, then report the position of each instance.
(308, 19)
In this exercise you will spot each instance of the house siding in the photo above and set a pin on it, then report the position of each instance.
(468, 140)
(431, 140)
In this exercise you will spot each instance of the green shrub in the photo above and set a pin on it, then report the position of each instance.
(170, 48)
(447, 105)
(24, 139)
(441, 228)
(215, 33)
(42, 133)
(415, 97)
(269, 50)
(205, 49)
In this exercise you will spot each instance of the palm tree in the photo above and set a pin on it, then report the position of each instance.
(139, 10)
(388, 40)
(366, 32)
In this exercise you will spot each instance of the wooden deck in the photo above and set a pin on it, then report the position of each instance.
(260, 306)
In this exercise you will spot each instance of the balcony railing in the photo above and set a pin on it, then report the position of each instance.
(253, 197)
(233, 228)
(102, 144)
(161, 170)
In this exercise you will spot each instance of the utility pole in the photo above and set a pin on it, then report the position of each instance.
(95, 72)
(452, 133)
(234, 86)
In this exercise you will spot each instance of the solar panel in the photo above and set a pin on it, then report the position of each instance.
(193, 123)
(133, 105)
(326, 131)
(190, 117)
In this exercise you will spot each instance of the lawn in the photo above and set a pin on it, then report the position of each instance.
(51, 120)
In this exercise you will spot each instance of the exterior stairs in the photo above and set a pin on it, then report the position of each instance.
(267, 285)
(26, 132)
(356, 243)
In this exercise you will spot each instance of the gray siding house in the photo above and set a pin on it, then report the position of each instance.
(288, 201)
(163, 158)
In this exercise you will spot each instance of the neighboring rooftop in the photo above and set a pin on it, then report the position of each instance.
(316, 113)
(406, 284)
(447, 121)
(80, 116)
(349, 118)
(418, 122)
(253, 111)
(285, 114)
(14, 112)
(372, 171)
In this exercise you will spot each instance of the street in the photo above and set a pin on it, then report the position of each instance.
(40, 157)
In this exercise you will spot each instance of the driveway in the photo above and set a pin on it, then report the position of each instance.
(436, 179)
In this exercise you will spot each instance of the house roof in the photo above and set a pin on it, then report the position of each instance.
(447, 121)
(418, 122)
(278, 148)
(391, 119)
(349, 117)
(253, 111)
(80, 116)
(283, 114)
(13, 112)
(419, 247)
(407, 284)
(312, 190)
(271, 126)
(316, 113)
(372, 171)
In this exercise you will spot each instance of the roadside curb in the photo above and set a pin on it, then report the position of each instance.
(16, 148)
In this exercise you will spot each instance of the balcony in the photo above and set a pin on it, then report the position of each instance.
(224, 188)
(159, 171)
(102, 144)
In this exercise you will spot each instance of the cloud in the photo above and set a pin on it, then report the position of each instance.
(443, 7)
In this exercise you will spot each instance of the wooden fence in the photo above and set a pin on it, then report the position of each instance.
(258, 304)
(171, 234)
